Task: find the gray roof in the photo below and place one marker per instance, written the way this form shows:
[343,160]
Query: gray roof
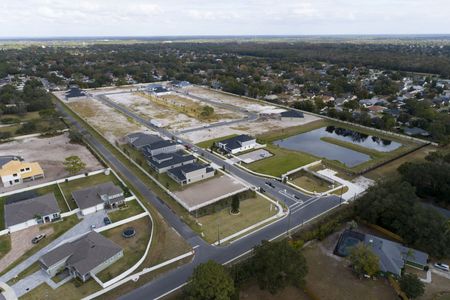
[90,196]
[22,211]
[140,139]
[83,254]
[74,93]
[393,255]
[416,131]
[4,159]
[292,114]
[165,160]
[156,145]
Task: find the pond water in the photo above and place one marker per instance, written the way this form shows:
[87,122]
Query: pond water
[311,143]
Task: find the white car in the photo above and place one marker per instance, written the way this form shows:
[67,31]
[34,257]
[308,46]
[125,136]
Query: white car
[442,266]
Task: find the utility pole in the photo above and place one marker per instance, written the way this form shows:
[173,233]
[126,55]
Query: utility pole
[289,224]
[218,231]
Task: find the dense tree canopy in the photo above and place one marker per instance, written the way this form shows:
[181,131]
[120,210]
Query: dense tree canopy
[210,281]
[277,265]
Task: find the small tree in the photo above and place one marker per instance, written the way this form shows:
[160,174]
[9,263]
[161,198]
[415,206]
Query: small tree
[235,203]
[277,264]
[210,281]
[74,165]
[412,286]
[364,261]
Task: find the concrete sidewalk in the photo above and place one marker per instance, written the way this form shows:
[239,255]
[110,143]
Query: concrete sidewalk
[353,188]
[82,227]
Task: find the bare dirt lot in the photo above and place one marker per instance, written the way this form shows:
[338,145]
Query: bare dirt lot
[50,153]
[172,111]
[111,123]
[253,128]
[202,192]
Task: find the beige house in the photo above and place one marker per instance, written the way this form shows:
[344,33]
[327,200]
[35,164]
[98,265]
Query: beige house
[16,172]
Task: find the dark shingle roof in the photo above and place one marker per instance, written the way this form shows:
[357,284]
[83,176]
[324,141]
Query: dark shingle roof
[74,93]
[7,158]
[84,254]
[90,196]
[292,114]
[140,139]
[22,211]
[235,142]
[180,171]
[165,160]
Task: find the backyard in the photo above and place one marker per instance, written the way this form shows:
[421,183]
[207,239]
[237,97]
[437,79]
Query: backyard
[131,208]
[310,182]
[133,248]
[252,211]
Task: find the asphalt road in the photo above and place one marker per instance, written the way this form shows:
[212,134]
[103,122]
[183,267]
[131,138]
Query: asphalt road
[303,208]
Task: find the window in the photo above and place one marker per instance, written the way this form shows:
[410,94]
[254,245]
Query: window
[22,170]
[27,169]
[16,180]
[15,175]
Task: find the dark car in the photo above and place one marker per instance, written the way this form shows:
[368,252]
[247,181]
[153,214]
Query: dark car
[38,238]
[106,220]
[270,184]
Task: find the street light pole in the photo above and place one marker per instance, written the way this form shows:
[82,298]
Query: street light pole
[289,224]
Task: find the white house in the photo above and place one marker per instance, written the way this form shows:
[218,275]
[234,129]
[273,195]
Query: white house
[237,144]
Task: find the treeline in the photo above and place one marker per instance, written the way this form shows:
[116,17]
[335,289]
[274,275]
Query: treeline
[395,206]
[33,97]
[430,178]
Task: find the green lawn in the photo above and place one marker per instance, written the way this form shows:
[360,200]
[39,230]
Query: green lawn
[78,184]
[209,143]
[252,211]
[5,245]
[58,229]
[27,272]
[130,209]
[282,161]
[72,290]
[58,195]
[133,248]
[311,183]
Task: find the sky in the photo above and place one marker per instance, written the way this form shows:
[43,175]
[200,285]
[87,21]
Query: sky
[47,18]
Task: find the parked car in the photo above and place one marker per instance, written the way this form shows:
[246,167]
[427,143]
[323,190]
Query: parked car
[442,266]
[270,184]
[106,220]
[38,238]
[93,226]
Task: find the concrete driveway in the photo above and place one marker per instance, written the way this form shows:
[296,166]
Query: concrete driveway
[21,243]
[82,227]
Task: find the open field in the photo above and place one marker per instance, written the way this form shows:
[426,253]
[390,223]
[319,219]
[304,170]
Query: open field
[210,143]
[390,169]
[133,248]
[131,208]
[111,123]
[78,184]
[257,127]
[252,211]
[50,153]
[330,277]
[282,161]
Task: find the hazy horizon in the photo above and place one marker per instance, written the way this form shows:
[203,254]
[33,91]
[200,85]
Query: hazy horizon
[158,18]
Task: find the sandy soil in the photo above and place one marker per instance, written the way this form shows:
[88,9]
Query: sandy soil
[50,153]
[169,118]
[111,123]
[253,128]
